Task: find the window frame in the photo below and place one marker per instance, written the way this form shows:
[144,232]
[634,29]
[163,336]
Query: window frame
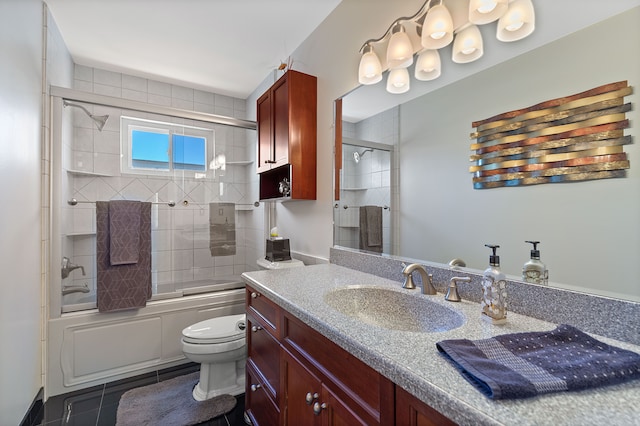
[130,124]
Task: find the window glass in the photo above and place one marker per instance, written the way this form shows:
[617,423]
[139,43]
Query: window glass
[189,152]
[149,149]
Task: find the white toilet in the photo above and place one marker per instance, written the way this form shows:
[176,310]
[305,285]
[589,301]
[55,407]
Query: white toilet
[219,345]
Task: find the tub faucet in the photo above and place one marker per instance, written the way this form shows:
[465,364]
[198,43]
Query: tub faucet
[427,284]
[67,267]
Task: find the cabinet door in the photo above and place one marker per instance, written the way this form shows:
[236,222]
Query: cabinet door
[302,390]
[410,411]
[280,121]
[265,132]
[336,412]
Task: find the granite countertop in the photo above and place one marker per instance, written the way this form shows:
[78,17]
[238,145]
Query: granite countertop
[411,360]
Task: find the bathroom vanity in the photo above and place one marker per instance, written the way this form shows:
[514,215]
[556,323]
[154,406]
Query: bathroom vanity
[313,358]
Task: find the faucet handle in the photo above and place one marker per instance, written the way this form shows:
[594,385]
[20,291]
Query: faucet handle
[452,292]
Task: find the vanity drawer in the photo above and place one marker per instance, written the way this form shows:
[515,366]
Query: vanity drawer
[264,354]
[259,405]
[264,310]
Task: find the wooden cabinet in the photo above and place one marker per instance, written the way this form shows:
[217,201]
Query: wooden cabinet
[287,134]
[410,411]
[263,390]
[296,376]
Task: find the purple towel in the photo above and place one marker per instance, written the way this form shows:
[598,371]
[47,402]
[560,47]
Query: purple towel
[124,231]
[124,286]
[523,365]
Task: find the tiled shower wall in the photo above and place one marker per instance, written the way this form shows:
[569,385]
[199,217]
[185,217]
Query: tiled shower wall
[372,181]
[180,235]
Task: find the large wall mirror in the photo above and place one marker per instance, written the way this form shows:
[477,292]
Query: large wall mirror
[589,231]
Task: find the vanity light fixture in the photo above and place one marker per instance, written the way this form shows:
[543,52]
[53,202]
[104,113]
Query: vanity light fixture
[400,49]
[370,71]
[398,81]
[434,26]
[467,46]
[428,65]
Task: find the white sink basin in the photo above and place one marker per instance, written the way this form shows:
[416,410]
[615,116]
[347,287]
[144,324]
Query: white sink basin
[394,310]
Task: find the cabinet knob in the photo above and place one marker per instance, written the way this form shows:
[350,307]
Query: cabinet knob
[311,397]
[255,387]
[269,162]
[254,295]
[317,408]
[256,328]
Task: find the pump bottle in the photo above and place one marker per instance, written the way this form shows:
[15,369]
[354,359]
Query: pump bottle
[494,290]
[534,271]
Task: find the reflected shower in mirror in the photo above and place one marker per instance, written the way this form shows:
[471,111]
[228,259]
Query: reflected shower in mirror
[365,181]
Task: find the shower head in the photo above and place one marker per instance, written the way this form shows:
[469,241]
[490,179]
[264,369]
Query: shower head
[357,155]
[99,120]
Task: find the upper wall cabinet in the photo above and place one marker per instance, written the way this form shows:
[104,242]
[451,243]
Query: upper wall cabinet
[287,133]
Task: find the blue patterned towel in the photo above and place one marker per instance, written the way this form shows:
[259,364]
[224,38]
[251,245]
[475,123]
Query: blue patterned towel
[523,365]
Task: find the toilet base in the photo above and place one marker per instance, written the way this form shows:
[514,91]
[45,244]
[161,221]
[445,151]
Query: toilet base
[220,379]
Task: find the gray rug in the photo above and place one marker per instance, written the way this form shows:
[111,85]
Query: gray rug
[170,403]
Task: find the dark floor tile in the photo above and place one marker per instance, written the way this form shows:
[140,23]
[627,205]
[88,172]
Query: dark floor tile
[71,404]
[181,370]
[99,405]
[83,418]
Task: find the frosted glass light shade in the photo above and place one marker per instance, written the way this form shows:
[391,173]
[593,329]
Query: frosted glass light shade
[428,65]
[437,30]
[400,49]
[370,70]
[517,22]
[485,11]
[467,47]
[398,81]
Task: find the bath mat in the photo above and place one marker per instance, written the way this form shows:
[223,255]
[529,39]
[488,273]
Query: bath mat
[170,403]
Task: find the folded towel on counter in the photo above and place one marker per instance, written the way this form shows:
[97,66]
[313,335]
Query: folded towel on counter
[523,365]
[124,231]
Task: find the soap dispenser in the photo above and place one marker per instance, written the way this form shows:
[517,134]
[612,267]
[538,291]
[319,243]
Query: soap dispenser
[534,271]
[494,290]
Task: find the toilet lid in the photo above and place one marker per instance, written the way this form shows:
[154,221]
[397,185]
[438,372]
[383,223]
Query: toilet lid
[216,330]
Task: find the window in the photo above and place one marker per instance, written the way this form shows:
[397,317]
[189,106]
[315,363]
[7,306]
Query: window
[154,147]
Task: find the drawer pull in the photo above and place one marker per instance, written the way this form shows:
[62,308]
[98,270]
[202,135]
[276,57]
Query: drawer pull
[255,387]
[317,408]
[254,295]
[311,397]
[256,328]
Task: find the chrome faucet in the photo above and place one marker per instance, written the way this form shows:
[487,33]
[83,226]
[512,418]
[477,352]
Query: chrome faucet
[67,267]
[452,292]
[427,284]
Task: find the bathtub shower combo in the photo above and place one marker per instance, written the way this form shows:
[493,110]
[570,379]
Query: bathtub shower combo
[192,169]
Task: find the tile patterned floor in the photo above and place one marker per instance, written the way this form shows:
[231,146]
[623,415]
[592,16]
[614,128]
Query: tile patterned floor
[98,405]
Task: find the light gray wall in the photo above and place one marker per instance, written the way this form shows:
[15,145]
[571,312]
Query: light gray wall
[436,184]
[20,120]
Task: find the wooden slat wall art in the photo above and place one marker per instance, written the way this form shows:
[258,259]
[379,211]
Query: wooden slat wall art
[575,138]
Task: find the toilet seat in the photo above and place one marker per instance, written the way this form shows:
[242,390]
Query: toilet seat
[216,330]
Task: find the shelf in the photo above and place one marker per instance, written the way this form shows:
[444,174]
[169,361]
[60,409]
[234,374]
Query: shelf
[239,163]
[85,173]
[81,234]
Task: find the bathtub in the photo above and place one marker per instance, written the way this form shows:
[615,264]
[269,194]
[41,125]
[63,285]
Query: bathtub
[87,301]
[86,348]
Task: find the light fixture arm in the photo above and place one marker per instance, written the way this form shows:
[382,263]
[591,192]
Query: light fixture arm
[414,18]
